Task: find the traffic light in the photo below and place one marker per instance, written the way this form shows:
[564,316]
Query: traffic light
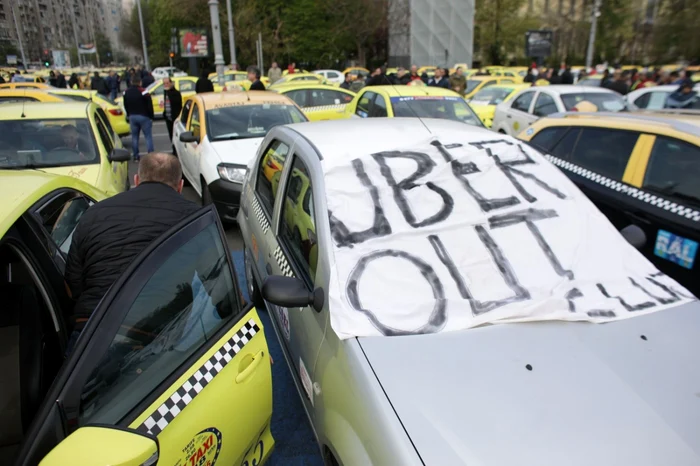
[172,54]
[47,64]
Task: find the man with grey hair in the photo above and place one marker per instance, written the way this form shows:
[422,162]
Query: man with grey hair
[254,78]
[111,233]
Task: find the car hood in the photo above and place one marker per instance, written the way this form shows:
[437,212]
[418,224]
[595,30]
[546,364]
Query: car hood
[554,393]
[483,110]
[86,173]
[238,151]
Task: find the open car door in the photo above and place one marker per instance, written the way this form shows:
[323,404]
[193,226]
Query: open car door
[172,365]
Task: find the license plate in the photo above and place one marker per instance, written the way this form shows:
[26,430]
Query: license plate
[676,249]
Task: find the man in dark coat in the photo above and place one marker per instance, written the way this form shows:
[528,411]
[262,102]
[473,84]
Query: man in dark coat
[98,84]
[203,83]
[148,79]
[254,78]
[111,233]
[139,109]
[172,101]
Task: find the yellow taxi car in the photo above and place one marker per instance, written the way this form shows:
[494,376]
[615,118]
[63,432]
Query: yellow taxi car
[27,95]
[507,73]
[484,101]
[166,369]
[68,138]
[476,83]
[639,168]
[234,78]
[297,79]
[25,85]
[115,114]
[318,101]
[411,102]
[184,84]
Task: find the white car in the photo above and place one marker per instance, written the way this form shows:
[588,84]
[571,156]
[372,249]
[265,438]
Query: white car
[216,136]
[167,72]
[332,76]
[516,114]
[654,97]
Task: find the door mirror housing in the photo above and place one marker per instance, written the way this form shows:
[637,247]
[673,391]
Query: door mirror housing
[634,235]
[104,445]
[119,154]
[187,136]
[291,292]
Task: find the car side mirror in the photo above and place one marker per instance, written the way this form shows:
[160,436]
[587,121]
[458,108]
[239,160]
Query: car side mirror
[187,136]
[104,445]
[634,235]
[119,154]
[291,292]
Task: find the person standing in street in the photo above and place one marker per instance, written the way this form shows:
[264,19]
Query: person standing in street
[74,82]
[254,78]
[60,80]
[458,82]
[203,83]
[113,85]
[439,80]
[414,73]
[274,73]
[683,97]
[291,67]
[148,79]
[172,100]
[98,84]
[347,83]
[619,83]
[127,223]
[139,109]
[52,78]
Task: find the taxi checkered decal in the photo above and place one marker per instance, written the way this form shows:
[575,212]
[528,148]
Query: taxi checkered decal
[193,386]
[321,108]
[623,188]
[260,215]
[282,262]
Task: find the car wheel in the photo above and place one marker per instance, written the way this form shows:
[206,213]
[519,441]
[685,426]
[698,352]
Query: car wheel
[501,131]
[252,285]
[206,194]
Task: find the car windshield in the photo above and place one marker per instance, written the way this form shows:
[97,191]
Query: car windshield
[249,121]
[589,82]
[446,108]
[604,101]
[471,85]
[491,95]
[46,143]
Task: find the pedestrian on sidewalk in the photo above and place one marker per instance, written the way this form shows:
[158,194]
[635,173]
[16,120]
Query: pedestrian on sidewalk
[254,78]
[274,73]
[127,223]
[203,83]
[139,109]
[172,101]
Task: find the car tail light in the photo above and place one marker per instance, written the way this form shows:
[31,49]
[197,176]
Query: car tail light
[115,111]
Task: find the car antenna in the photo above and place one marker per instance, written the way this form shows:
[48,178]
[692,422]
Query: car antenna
[409,107]
[24,101]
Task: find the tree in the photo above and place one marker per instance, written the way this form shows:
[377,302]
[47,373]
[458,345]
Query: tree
[499,30]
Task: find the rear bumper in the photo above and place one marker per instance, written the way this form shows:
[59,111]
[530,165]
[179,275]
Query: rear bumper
[227,198]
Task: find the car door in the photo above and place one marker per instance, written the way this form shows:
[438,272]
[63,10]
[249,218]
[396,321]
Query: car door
[545,105]
[193,150]
[378,107]
[179,126]
[328,104]
[517,113]
[114,176]
[172,353]
[300,97]
[364,101]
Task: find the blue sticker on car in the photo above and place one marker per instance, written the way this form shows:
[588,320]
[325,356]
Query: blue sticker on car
[676,249]
[529,131]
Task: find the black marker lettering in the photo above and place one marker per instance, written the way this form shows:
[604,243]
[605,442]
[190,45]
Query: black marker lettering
[438,316]
[571,295]
[425,166]
[673,297]
[380,226]
[504,268]
[481,144]
[629,307]
[655,278]
[529,216]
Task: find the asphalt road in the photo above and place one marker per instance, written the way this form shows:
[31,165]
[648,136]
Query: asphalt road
[295,444]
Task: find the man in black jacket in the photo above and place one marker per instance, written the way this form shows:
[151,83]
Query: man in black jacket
[254,78]
[113,232]
[139,109]
[172,100]
[203,83]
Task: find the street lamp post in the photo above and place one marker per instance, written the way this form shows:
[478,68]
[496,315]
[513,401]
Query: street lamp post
[216,32]
[591,37]
[19,37]
[231,40]
[143,37]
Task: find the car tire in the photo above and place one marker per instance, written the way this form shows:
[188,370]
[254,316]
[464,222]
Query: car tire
[206,194]
[252,284]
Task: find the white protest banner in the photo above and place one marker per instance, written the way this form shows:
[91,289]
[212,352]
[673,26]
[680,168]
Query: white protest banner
[460,231]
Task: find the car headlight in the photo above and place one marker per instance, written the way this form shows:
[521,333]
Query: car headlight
[231,172]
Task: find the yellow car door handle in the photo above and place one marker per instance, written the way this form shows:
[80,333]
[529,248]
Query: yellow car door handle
[249,369]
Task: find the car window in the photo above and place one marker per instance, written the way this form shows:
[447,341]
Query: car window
[77,98]
[674,169]
[10,100]
[269,172]
[378,107]
[322,97]
[548,137]
[300,97]
[60,216]
[522,102]
[186,112]
[605,101]
[298,224]
[565,147]
[492,82]
[156,89]
[195,125]
[186,85]
[363,104]
[189,297]
[652,100]
[604,151]
[544,105]
[99,111]
[506,81]
[104,133]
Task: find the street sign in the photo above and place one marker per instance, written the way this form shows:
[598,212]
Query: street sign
[193,43]
[538,43]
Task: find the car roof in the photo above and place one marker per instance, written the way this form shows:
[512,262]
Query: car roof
[573,89]
[412,91]
[679,121]
[311,85]
[484,78]
[212,99]
[44,110]
[514,86]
